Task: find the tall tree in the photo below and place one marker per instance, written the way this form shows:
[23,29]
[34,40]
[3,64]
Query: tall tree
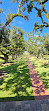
[17,41]
[4,46]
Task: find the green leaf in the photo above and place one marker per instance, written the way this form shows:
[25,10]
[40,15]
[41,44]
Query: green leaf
[47,16]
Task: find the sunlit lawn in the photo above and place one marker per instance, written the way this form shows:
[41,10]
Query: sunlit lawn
[17,84]
[42,68]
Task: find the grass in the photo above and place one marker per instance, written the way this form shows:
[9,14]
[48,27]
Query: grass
[1,61]
[42,68]
[17,84]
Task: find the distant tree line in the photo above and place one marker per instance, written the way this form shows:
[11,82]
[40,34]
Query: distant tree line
[37,45]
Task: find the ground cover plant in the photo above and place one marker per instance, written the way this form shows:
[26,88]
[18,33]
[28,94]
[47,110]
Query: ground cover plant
[17,84]
[42,68]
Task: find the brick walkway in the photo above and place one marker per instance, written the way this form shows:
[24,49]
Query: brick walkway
[32,105]
[40,92]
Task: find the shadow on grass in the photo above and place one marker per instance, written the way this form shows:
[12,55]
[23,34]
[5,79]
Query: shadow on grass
[44,78]
[17,98]
[34,65]
[1,82]
[18,81]
[23,98]
[46,81]
[46,58]
[45,65]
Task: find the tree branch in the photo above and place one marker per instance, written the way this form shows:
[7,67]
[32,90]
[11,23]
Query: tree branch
[42,2]
[19,6]
[39,13]
[12,17]
[3,53]
[2,58]
[36,27]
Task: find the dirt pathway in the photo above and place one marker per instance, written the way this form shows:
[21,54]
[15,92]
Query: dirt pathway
[39,90]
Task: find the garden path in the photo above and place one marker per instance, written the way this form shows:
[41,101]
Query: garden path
[39,89]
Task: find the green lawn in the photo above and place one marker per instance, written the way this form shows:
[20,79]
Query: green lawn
[17,84]
[1,60]
[42,68]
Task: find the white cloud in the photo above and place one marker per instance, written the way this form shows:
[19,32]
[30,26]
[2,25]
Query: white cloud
[20,22]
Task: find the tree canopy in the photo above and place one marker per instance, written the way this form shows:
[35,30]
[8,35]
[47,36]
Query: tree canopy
[29,5]
[12,43]
[37,45]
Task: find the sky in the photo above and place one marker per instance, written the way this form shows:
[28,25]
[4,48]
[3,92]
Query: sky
[27,26]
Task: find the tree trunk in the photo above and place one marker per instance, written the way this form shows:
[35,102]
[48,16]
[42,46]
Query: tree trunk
[38,56]
[42,56]
[6,58]
[16,55]
[13,56]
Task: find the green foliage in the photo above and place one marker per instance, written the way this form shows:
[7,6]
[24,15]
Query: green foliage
[46,42]
[10,17]
[0,8]
[47,15]
[12,42]
[37,45]
[14,1]
[16,39]
[4,46]
[0,2]
[29,5]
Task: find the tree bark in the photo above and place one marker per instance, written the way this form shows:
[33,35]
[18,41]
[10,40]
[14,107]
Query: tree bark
[16,55]
[42,56]
[13,56]
[6,58]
